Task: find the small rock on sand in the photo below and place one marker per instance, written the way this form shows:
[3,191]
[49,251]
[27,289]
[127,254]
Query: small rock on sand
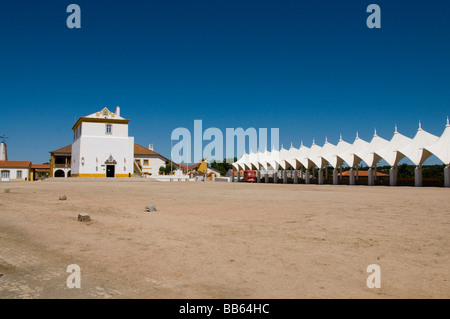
[64,197]
[150,208]
[83,217]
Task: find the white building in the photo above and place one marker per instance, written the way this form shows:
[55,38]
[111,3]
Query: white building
[102,148]
[15,171]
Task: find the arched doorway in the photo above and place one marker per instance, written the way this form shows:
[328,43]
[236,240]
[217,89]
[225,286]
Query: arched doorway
[59,173]
[69,173]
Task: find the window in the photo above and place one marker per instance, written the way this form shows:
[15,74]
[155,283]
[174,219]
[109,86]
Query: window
[108,128]
[19,174]
[146,162]
[5,174]
[105,113]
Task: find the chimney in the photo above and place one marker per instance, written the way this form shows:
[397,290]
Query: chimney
[3,152]
[117,111]
[150,147]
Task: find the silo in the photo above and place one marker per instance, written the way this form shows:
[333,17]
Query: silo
[3,152]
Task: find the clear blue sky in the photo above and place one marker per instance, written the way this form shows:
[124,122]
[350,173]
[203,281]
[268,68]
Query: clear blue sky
[311,68]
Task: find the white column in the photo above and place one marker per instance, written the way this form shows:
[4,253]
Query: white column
[295,177]
[320,176]
[418,176]
[340,173]
[275,177]
[447,176]
[392,179]
[370,181]
[284,177]
[258,176]
[351,177]
[238,176]
[335,176]
[307,180]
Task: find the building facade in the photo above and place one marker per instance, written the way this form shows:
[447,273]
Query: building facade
[15,171]
[102,148]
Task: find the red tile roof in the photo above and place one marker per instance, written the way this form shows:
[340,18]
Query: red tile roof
[362,173]
[15,164]
[63,150]
[40,166]
[138,150]
[141,150]
[189,167]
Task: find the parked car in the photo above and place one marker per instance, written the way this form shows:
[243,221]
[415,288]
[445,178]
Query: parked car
[249,176]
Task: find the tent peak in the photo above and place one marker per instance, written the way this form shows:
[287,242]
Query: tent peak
[420,126]
[448,124]
[340,137]
[395,130]
[375,133]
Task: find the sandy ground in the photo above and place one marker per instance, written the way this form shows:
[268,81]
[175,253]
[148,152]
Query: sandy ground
[222,240]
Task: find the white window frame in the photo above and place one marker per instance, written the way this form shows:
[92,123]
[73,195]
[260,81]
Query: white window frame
[5,174]
[106,129]
[19,173]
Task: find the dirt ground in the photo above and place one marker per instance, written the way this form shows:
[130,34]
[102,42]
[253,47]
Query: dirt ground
[222,240]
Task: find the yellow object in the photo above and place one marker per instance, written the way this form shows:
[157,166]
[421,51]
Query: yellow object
[203,166]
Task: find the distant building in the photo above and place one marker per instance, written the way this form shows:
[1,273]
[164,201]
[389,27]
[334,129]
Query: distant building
[102,148]
[15,171]
[199,169]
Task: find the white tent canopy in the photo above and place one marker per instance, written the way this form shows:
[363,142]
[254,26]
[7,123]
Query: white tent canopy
[350,156]
[418,149]
[264,158]
[333,156]
[283,156]
[315,156]
[327,150]
[391,153]
[368,153]
[291,158]
[414,150]
[302,154]
[253,161]
[274,158]
[441,148]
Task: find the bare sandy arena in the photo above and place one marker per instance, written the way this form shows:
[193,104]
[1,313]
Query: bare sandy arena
[222,240]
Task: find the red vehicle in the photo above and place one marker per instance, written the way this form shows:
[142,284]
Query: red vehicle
[249,176]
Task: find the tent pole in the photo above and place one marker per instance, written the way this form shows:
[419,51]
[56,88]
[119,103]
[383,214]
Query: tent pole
[351,177]
[392,176]
[335,176]
[370,177]
[418,176]
[307,180]
[447,176]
